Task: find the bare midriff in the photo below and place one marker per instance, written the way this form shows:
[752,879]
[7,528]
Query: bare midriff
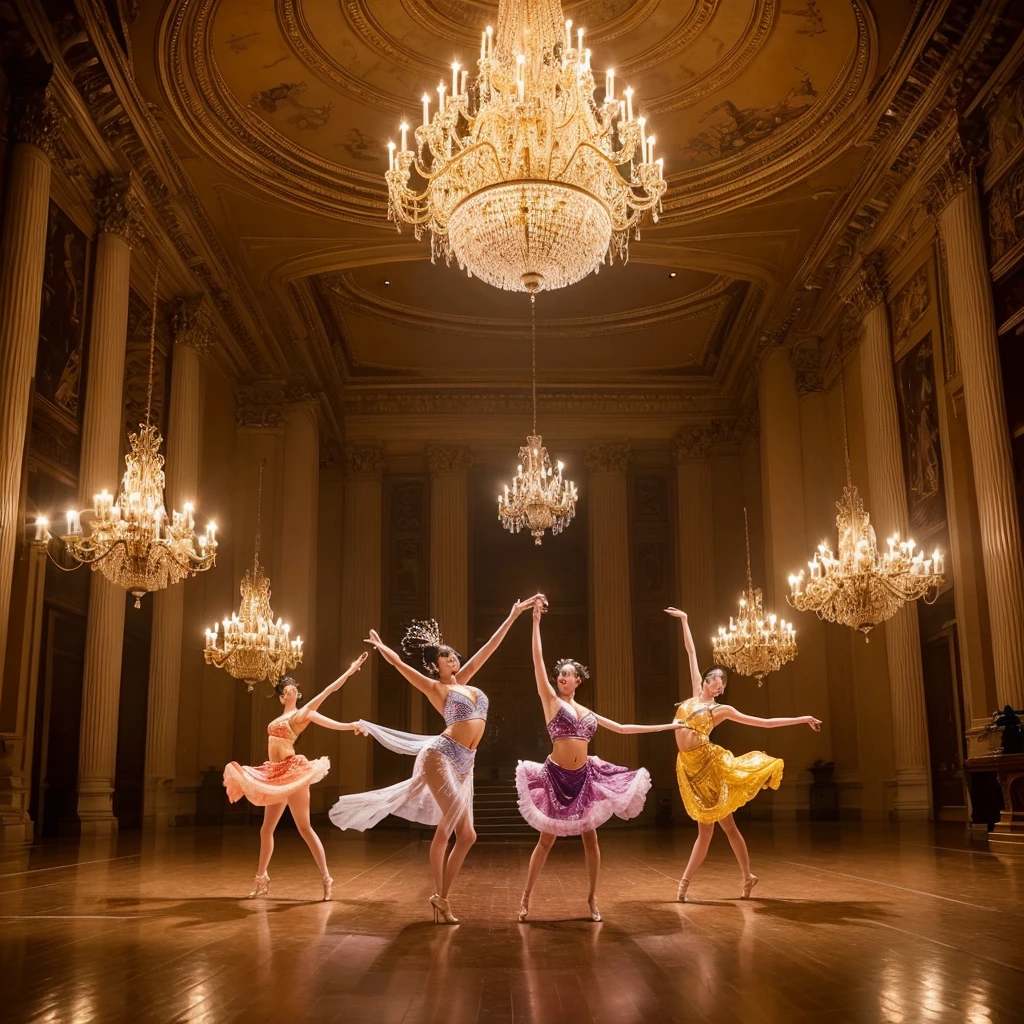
[569,751]
[469,734]
[687,738]
[279,749]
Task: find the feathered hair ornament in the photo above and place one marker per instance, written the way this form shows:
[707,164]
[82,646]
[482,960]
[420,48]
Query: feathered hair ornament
[581,670]
[423,639]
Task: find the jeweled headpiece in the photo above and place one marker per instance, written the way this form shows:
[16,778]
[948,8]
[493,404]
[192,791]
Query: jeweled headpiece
[422,638]
[581,670]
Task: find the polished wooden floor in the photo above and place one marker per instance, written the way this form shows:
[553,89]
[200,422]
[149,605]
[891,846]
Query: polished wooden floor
[851,923]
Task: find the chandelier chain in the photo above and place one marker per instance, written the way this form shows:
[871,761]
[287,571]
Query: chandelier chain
[533,357]
[746,535]
[152,342]
[259,517]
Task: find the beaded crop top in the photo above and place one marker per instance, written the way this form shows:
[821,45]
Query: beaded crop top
[567,726]
[460,708]
[696,715]
[281,729]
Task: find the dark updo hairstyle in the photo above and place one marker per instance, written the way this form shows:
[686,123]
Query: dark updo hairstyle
[711,671]
[283,683]
[581,670]
[423,640]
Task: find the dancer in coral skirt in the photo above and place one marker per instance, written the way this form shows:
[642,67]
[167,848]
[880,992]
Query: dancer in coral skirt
[712,781]
[571,793]
[283,780]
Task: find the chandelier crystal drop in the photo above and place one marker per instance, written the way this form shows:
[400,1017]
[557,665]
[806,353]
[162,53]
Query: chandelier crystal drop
[863,587]
[526,180]
[253,646]
[755,644]
[131,540]
[540,498]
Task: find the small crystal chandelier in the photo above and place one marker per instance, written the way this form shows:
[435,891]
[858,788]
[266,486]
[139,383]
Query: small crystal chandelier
[131,540]
[540,497]
[862,588]
[530,184]
[253,646]
[755,644]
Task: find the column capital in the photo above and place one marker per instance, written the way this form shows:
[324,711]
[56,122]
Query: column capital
[869,287]
[953,175]
[805,358]
[120,211]
[260,405]
[448,458]
[38,121]
[693,445]
[192,324]
[608,456]
[364,461]
[298,392]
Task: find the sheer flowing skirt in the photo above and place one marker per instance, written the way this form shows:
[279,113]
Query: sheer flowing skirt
[713,782]
[439,791]
[571,801]
[273,781]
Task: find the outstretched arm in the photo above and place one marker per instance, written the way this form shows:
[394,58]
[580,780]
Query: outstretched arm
[478,660]
[310,706]
[632,730]
[548,697]
[691,651]
[728,713]
[329,723]
[423,683]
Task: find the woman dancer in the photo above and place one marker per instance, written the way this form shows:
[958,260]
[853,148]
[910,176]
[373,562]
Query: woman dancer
[284,779]
[440,791]
[571,794]
[712,781]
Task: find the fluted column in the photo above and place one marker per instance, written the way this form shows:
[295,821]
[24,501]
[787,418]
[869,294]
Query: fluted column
[612,637]
[360,598]
[889,514]
[449,542]
[974,332]
[101,446]
[191,327]
[695,542]
[22,252]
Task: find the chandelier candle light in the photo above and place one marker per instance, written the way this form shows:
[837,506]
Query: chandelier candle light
[253,646]
[540,497]
[862,587]
[755,644]
[131,540]
[526,180]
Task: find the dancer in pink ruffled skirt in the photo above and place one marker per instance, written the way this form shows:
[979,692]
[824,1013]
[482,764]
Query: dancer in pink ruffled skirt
[571,794]
[284,779]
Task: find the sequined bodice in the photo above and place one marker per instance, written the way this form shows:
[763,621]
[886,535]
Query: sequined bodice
[281,729]
[567,726]
[460,708]
[696,715]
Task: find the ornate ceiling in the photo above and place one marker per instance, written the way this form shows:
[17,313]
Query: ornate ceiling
[280,111]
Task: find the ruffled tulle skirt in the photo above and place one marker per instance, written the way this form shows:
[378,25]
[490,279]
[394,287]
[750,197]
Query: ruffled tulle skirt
[439,791]
[273,781]
[570,801]
[713,782]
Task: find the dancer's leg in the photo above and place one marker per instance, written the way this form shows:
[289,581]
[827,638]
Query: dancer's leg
[738,844]
[465,837]
[446,788]
[705,830]
[592,854]
[298,804]
[537,861]
[271,816]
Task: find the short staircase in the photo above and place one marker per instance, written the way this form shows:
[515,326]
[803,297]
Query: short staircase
[496,814]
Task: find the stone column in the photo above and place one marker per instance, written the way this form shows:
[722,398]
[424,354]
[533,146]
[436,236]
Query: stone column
[888,515]
[695,543]
[977,346]
[191,326]
[120,215]
[611,596]
[360,599]
[22,252]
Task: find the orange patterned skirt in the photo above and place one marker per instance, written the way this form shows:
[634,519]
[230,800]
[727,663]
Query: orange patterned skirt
[273,781]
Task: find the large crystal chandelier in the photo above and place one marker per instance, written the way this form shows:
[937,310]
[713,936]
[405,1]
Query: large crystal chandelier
[131,540]
[254,646]
[540,498]
[863,587]
[755,644]
[529,183]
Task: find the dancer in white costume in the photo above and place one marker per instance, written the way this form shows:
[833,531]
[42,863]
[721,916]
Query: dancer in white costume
[440,791]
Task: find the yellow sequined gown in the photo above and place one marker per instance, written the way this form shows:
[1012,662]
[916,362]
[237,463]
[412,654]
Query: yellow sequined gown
[712,781]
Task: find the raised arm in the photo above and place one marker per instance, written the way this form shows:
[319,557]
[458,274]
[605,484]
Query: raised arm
[548,697]
[422,682]
[470,669]
[307,709]
[632,730]
[726,712]
[329,723]
[691,651]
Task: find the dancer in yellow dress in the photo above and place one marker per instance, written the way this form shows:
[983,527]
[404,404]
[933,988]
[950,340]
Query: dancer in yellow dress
[712,781]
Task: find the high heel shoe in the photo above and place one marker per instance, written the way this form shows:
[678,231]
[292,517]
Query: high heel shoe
[595,914]
[261,887]
[328,884]
[748,883]
[524,907]
[684,884]
[442,910]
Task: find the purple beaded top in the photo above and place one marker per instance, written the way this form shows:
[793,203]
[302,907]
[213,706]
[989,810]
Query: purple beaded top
[566,726]
[460,708]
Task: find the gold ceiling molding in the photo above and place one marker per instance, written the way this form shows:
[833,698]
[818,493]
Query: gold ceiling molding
[349,297]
